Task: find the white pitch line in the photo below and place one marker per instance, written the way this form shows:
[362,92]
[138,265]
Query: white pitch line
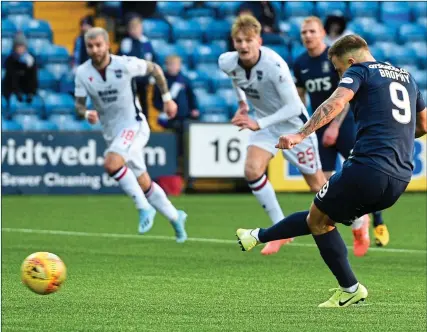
[191,239]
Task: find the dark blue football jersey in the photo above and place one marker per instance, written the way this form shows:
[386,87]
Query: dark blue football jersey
[385,105]
[317,76]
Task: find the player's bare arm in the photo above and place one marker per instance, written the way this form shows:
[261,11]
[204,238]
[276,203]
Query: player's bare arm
[80,104]
[333,106]
[169,106]
[421,124]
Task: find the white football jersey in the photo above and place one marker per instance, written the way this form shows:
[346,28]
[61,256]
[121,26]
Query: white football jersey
[269,87]
[114,99]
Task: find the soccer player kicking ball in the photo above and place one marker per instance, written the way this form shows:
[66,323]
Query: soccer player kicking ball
[314,73]
[107,79]
[390,112]
[262,76]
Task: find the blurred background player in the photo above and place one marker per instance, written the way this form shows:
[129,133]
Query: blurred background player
[182,93]
[390,113]
[80,53]
[262,76]
[315,75]
[107,80]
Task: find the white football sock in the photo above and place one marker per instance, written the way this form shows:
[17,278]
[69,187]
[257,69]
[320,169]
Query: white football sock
[358,223]
[264,193]
[157,198]
[351,289]
[130,186]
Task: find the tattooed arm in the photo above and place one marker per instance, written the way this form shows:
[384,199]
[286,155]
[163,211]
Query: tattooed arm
[156,71]
[80,104]
[331,108]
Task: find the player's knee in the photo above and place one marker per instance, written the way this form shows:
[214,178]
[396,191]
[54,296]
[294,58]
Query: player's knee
[253,171]
[113,163]
[319,226]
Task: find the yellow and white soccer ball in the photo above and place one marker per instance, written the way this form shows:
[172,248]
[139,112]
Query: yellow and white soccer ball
[43,272]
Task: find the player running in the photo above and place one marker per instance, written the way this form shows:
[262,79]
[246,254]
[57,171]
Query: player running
[106,79]
[389,112]
[262,76]
[314,73]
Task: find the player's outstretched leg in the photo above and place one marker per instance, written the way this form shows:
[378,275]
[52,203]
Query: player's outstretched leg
[361,241]
[381,234]
[256,162]
[114,164]
[331,246]
[157,198]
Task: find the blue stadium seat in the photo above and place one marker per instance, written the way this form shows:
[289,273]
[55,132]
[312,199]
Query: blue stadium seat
[187,30]
[201,93]
[58,103]
[377,53]
[220,44]
[296,50]
[272,39]
[420,49]
[214,117]
[411,32]
[325,8]
[393,13]
[212,104]
[37,29]
[158,43]
[207,68]
[291,30]
[37,45]
[189,45]
[175,8]
[298,8]
[3,73]
[381,33]
[8,28]
[424,94]
[386,47]
[401,56]
[30,122]
[4,107]
[66,83]
[66,122]
[283,51]
[6,45]
[229,95]
[228,8]
[19,20]
[217,30]
[46,80]
[171,49]
[418,9]
[10,125]
[58,69]
[155,28]
[199,80]
[200,12]
[36,107]
[363,9]
[422,21]
[206,54]
[220,80]
[55,54]
[420,77]
[111,8]
[16,7]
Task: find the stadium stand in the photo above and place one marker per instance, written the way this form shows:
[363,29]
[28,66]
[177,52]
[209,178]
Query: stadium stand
[396,32]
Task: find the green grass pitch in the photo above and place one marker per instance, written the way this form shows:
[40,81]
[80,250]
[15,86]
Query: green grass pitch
[151,283]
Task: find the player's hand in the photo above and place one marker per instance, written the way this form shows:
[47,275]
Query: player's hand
[170,108]
[242,110]
[92,116]
[245,122]
[289,141]
[330,135]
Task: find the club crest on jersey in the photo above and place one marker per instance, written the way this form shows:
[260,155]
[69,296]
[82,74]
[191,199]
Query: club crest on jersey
[325,67]
[119,73]
[259,75]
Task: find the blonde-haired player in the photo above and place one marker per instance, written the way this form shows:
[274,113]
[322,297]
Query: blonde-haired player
[107,79]
[263,77]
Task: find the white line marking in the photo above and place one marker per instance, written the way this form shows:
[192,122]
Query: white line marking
[191,239]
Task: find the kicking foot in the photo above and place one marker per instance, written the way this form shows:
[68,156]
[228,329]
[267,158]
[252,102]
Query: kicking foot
[361,239]
[179,227]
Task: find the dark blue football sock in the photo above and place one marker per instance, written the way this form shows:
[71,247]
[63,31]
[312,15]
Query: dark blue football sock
[378,218]
[292,226]
[334,252]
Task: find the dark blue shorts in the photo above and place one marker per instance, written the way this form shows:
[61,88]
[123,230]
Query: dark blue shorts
[344,144]
[357,190]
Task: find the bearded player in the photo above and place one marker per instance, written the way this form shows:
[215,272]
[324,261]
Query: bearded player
[107,80]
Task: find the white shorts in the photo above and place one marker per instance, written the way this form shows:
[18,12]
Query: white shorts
[130,145]
[305,156]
